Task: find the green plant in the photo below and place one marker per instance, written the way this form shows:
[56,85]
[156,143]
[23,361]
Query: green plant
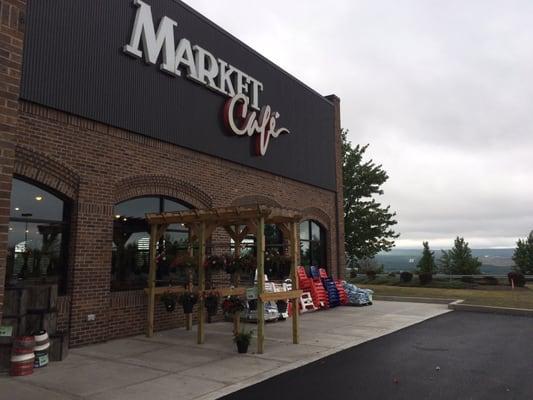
[425,277]
[188,298]
[459,259]
[406,277]
[468,279]
[368,224]
[184,261]
[523,255]
[426,265]
[215,262]
[169,299]
[243,337]
[211,300]
[371,275]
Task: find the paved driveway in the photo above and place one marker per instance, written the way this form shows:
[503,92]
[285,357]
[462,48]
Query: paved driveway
[458,356]
[172,366]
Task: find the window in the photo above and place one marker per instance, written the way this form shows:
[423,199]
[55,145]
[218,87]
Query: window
[276,265]
[312,244]
[38,236]
[131,242]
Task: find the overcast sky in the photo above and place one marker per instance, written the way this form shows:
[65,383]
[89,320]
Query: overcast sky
[442,91]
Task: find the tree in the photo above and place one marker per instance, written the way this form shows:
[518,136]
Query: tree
[459,260]
[523,255]
[367,224]
[426,265]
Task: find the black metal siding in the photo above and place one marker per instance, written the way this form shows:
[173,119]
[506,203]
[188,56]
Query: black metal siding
[73,61]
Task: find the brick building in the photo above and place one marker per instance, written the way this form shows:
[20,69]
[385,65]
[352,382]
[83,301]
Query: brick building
[92,137]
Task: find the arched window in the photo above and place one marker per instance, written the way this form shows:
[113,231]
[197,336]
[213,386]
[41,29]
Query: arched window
[38,236]
[312,244]
[131,241]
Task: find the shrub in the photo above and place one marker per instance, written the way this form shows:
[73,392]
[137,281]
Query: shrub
[468,279]
[353,273]
[406,276]
[371,274]
[517,277]
[489,280]
[392,274]
[425,277]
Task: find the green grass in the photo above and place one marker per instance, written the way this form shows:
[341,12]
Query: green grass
[501,297]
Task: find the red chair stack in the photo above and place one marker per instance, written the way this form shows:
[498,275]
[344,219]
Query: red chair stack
[318,294]
[304,282]
[342,293]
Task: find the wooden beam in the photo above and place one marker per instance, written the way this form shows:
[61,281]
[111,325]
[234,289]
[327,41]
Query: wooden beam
[161,231]
[158,291]
[151,281]
[226,291]
[201,281]
[285,230]
[260,238]
[190,250]
[237,278]
[290,294]
[295,252]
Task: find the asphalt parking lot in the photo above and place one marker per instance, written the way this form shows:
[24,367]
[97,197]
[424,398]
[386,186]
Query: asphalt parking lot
[459,355]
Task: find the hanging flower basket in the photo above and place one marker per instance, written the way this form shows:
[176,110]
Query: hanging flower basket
[188,300]
[215,263]
[232,305]
[169,299]
[211,303]
[184,262]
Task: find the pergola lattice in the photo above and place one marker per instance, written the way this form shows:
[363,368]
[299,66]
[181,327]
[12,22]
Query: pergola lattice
[238,222]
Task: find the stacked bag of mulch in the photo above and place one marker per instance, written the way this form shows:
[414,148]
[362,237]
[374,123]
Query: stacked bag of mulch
[357,296]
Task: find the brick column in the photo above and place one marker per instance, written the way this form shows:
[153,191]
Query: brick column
[11,38]
[339,206]
[92,232]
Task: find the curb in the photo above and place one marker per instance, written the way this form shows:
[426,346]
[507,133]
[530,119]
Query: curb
[457,305]
[428,300]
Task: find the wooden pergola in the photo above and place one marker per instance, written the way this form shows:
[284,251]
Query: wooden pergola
[238,222]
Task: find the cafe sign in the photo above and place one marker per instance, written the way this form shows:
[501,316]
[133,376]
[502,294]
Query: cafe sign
[242,112]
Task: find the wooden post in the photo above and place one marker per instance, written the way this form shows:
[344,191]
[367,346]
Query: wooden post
[201,282]
[237,315]
[260,238]
[295,248]
[151,280]
[188,317]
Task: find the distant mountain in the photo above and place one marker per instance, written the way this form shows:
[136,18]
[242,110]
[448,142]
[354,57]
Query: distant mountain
[495,261]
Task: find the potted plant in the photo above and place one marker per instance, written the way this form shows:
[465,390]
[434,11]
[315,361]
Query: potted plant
[243,340]
[232,305]
[282,308]
[211,304]
[169,299]
[188,300]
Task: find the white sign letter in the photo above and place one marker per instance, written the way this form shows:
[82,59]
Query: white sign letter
[143,28]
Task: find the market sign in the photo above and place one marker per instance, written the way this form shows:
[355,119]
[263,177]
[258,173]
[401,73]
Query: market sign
[160,69]
[203,67]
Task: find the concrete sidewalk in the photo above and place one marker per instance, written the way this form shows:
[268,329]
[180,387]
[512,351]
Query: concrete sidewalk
[172,366]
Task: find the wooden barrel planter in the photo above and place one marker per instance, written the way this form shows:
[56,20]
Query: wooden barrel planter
[42,347]
[22,356]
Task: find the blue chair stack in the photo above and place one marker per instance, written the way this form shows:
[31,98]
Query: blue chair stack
[331,288]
